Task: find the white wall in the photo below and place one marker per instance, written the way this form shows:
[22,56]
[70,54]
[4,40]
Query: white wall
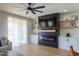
[4,24]
[73,32]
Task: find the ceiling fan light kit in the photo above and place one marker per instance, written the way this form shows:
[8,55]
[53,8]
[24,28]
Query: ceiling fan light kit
[31,9]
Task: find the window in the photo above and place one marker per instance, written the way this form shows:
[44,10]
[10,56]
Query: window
[17,31]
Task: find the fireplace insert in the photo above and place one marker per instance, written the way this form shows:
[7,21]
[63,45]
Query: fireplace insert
[49,27]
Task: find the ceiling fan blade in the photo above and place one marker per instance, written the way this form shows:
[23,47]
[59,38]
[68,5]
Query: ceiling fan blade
[33,12]
[39,7]
[15,7]
[20,10]
[38,11]
[25,5]
[27,12]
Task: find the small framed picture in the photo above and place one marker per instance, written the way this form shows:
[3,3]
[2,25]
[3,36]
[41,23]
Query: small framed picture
[50,23]
[43,24]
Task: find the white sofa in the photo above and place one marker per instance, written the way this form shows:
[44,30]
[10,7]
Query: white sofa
[6,45]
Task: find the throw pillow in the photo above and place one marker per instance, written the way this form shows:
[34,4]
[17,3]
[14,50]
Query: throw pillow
[0,44]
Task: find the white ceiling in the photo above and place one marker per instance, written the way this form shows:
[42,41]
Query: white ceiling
[49,9]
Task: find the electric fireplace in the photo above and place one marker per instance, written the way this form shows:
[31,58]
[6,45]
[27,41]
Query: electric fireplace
[49,30]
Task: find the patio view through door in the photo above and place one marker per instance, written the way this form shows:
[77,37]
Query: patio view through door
[17,31]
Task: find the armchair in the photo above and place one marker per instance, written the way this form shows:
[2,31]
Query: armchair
[72,52]
[6,45]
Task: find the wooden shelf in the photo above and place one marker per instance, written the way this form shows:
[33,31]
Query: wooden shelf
[67,21]
[69,27]
[47,30]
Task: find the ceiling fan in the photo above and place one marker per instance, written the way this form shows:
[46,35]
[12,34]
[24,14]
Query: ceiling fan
[31,8]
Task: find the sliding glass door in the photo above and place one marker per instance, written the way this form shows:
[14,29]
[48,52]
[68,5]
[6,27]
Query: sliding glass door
[17,31]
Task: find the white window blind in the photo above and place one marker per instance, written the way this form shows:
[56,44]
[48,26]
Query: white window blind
[17,31]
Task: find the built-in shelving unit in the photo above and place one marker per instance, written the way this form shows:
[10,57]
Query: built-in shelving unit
[68,27]
[49,30]
[68,21]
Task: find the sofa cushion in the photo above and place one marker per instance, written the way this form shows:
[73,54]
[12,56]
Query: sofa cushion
[0,44]
[4,42]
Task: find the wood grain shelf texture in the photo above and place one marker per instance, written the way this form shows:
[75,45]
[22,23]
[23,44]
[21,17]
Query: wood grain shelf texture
[68,21]
[47,30]
[69,27]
